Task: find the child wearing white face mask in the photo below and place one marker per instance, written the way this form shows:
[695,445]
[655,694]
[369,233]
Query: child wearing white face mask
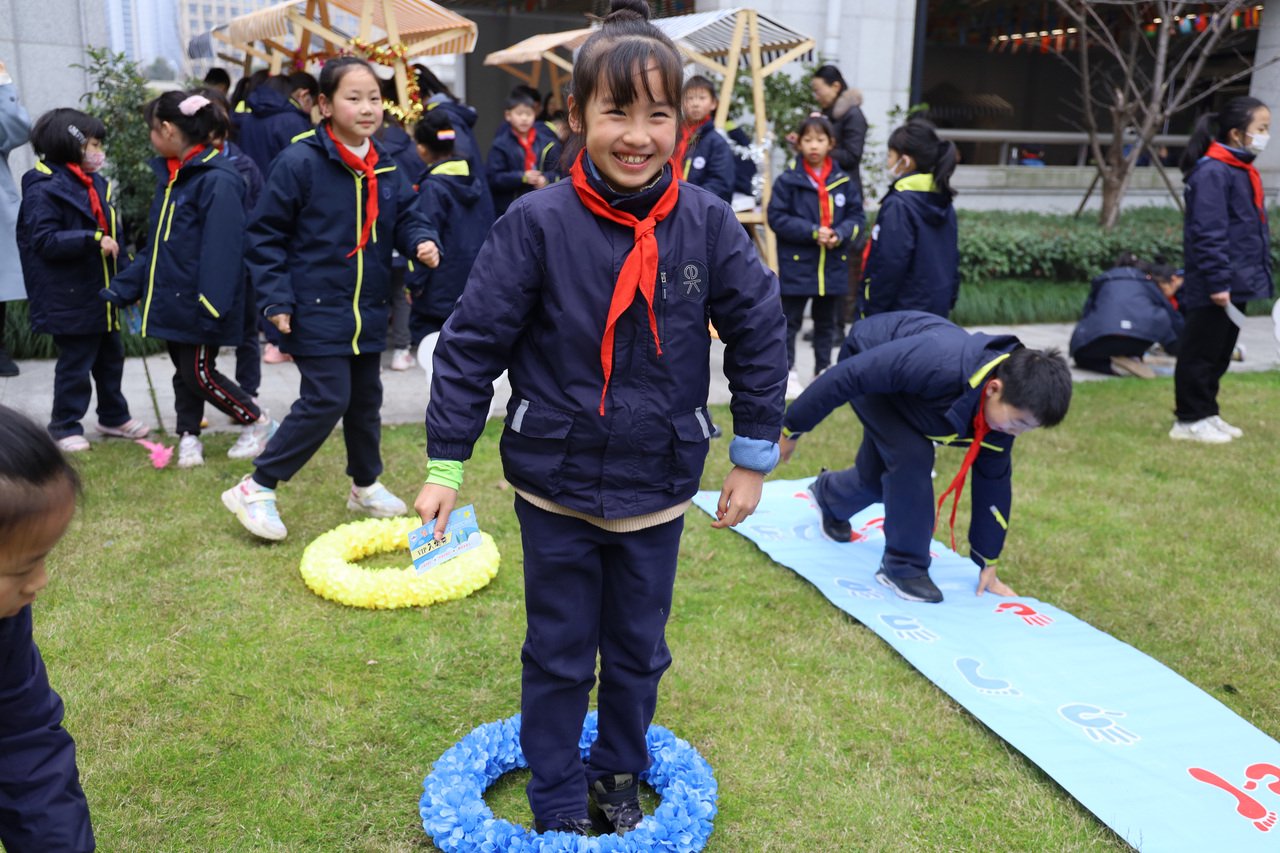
[1227,258]
[912,262]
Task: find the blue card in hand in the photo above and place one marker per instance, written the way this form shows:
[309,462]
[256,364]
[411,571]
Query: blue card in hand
[461,533]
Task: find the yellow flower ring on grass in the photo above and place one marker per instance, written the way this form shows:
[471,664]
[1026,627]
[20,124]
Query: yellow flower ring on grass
[328,567]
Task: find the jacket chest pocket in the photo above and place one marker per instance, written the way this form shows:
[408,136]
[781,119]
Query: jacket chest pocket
[536,442]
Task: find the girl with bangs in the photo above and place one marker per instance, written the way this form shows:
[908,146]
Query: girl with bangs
[595,294]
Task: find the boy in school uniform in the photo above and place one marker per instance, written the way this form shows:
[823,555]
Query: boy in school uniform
[524,158]
[703,157]
[915,379]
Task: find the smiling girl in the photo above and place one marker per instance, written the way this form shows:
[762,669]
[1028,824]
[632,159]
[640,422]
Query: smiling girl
[595,294]
[319,254]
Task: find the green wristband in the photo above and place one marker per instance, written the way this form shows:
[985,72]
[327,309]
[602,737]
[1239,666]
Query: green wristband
[444,472]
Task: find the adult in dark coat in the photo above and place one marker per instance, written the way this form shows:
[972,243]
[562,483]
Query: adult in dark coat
[843,106]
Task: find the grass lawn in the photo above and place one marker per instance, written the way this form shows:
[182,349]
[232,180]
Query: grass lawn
[220,705]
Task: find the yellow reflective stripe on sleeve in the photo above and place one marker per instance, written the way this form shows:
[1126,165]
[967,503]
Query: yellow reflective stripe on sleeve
[1000,519]
[97,235]
[213,152]
[303,135]
[981,373]
[208,306]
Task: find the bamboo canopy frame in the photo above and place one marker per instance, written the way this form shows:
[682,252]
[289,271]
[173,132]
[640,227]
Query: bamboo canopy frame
[722,42]
[408,29]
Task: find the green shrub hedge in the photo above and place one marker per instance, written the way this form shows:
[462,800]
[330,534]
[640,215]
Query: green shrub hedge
[24,343]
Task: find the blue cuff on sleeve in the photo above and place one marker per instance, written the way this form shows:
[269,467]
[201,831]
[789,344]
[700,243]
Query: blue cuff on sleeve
[754,454]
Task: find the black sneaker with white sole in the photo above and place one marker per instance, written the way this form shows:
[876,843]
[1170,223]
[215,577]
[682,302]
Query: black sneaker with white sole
[618,799]
[835,529]
[912,589]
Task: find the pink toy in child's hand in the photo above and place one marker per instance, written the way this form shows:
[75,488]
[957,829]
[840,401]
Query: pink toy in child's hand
[160,454]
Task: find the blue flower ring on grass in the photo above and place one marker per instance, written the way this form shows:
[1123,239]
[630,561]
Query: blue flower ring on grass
[329,570]
[458,820]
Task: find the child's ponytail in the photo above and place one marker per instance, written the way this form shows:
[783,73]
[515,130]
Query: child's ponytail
[1236,115]
[435,133]
[918,140]
[196,117]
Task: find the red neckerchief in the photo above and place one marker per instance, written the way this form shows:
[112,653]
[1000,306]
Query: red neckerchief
[95,203]
[365,167]
[639,270]
[980,430]
[526,142]
[682,147]
[1220,153]
[175,164]
[1173,300]
[820,178]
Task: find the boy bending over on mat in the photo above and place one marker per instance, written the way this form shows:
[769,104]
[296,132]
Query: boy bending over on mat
[916,380]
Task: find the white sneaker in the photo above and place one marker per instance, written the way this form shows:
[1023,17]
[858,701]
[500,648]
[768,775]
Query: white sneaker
[73,444]
[1223,426]
[376,500]
[1202,430]
[401,359]
[253,438]
[794,386]
[255,507]
[190,451]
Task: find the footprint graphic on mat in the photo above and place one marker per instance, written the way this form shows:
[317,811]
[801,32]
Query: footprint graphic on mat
[1099,724]
[908,628]
[1246,806]
[858,589]
[994,686]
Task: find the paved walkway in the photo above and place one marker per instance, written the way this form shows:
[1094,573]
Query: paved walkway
[405,392]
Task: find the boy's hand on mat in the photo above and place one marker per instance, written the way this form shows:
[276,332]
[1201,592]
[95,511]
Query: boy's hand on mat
[281,322]
[739,497]
[786,446]
[988,582]
[436,502]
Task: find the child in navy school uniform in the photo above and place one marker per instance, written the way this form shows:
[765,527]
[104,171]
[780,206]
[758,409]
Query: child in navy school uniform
[523,158]
[451,198]
[913,258]
[319,252]
[1127,311]
[42,806]
[703,156]
[916,380]
[595,295]
[816,211]
[275,113]
[69,243]
[188,278]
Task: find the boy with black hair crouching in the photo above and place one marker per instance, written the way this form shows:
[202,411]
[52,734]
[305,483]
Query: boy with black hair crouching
[916,380]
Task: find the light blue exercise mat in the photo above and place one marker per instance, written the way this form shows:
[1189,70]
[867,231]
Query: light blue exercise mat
[1161,762]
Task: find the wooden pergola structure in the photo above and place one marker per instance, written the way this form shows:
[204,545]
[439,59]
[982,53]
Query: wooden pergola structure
[725,42]
[391,31]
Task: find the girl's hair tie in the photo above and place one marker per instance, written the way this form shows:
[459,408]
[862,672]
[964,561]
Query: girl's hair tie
[76,133]
[193,104]
[446,134]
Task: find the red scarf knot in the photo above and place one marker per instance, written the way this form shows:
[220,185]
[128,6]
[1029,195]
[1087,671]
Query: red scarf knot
[1220,153]
[820,179]
[95,203]
[365,167]
[526,142]
[175,164]
[639,270]
[980,430]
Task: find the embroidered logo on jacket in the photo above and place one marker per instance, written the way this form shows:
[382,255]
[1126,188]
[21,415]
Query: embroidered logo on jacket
[693,281]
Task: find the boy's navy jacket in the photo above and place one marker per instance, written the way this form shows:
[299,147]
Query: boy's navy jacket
[188,278]
[1124,301]
[299,238]
[914,263]
[62,263]
[805,268]
[1225,241]
[449,196]
[932,372]
[269,124]
[708,161]
[536,304]
[505,167]
[249,172]
[463,119]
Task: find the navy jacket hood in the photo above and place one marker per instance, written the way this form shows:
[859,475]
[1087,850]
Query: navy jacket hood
[914,260]
[265,101]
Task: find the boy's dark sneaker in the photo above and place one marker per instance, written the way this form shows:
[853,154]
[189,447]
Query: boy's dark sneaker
[8,367]
[570,825]
[618,799]
[835,529]
[912,589]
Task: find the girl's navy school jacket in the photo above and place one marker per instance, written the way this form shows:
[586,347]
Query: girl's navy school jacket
[269,123]
[914,262]
[804,267]
[188,276]
[308,219]
[932,372]
[1225,242]
[463,119]
[450,198]
[1124,301]
[505,167]
[708,161]
[62,262]
[536,304]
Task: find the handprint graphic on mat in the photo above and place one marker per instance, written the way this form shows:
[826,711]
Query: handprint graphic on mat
[1246,806]
[1099,724]
[908,628]
[858,589]
[1029,614]
[994,686]
[1255,773]
[875,525]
